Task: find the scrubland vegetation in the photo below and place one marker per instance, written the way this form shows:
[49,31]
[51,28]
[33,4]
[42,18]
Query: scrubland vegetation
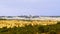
[36,29]
[29,27]
[22,23]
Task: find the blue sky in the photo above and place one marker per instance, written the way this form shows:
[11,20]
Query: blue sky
[30,7]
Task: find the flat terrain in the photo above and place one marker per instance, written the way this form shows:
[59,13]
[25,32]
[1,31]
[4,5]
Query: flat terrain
[22,23]
[29,27]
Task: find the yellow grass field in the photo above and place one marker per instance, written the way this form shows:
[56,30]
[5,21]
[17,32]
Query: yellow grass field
[22,23]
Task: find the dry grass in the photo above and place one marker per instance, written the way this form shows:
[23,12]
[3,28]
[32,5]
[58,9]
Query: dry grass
[22,23]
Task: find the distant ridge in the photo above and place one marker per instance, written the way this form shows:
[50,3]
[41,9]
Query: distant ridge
[31,17]
[50,16]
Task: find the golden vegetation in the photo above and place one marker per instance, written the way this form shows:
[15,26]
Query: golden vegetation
[22,23]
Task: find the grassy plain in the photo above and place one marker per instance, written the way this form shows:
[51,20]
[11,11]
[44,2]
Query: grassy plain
[29,27]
